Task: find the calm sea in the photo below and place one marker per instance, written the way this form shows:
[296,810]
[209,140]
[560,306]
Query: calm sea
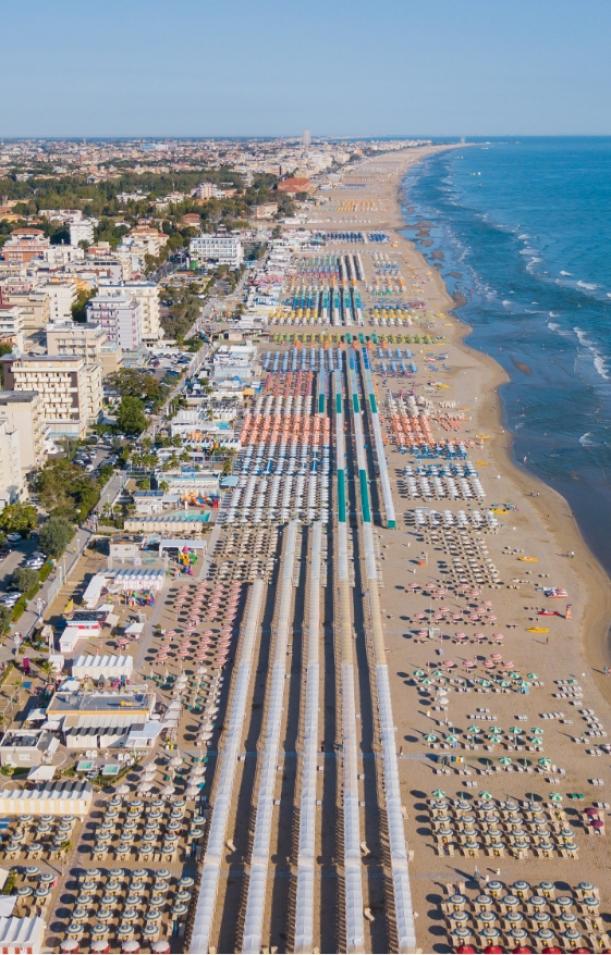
[521,231]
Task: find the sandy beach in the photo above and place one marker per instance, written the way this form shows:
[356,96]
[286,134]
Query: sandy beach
[541,526]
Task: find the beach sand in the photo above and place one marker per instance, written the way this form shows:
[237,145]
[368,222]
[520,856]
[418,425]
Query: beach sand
[543,526]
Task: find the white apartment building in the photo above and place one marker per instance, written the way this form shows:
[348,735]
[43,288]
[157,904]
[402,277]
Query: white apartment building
[70,390]
[24,412]
[218,250]
[62,296]
[82,230]
[146,294]
[12,480]
[119,315]
[11,326]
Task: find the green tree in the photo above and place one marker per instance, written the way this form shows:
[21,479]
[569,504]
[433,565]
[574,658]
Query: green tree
[25,579]
[79,308]
[131,418]
[55,536]
[5,620]
[18,519]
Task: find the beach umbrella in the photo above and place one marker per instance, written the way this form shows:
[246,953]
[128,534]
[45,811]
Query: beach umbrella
[505,760]
[545,762]
[438,793]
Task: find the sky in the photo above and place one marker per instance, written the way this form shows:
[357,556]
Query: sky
[276,67]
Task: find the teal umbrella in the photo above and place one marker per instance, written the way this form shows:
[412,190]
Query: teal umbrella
[505,760]
[545,761]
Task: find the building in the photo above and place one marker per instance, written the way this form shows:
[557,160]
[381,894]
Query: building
[85,340]
[12,482]
[217,250]
[266,210]
[24,245]
[11,327]
[294,185]
[234,362]
[146,294]
[62,296]
[69,389]
[32,302]
[24,412]
[119,315]
[82,230]
[27,748]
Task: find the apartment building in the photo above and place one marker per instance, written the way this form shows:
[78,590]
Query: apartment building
[11,326]
[119,315]
[24,245]
[33,304]
[70,390]
[85,341]
[82,230]
[12,481]
[25,414]
[146,294]
[217,250]
[62,296]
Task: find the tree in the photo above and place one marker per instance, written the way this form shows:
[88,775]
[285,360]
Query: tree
[131,418]
[79,308]
[5,620]
[18,519]
[55,536]
[25,579]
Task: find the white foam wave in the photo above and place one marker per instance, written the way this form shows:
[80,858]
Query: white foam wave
[590,286]
[598,359]
[563,272]
[586,440]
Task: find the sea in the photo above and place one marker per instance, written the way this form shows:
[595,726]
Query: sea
[520,229]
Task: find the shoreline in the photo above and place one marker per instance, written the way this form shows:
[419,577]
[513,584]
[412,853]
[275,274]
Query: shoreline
[551,506]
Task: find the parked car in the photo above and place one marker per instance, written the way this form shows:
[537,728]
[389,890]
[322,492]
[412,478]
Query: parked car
[10,599]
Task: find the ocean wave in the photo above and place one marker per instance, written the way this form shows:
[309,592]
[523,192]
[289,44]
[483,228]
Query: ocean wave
[589,286]
[564,272]
[598,359]
[586,440]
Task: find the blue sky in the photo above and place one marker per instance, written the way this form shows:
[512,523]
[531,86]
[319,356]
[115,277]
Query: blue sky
[339,67]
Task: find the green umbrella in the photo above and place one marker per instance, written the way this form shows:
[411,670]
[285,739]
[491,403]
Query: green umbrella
[485,795]
[418,673]
[505,684]
[516,731]
[532,676]
[438,793]
[431,737]
[451,739]
[556,797]
[474,730]
[536,731]
[505,760]
[545,761]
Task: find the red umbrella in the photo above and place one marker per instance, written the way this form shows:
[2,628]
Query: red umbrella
[552,950]
[494,950]
[465,950]
[523,950]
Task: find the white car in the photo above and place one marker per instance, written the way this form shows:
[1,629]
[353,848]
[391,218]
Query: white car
[10,599]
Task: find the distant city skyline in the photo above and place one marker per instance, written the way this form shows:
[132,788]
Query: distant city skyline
[340,69]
